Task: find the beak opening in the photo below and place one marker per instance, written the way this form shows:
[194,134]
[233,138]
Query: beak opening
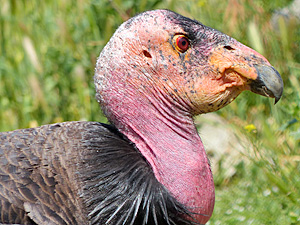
[268,82]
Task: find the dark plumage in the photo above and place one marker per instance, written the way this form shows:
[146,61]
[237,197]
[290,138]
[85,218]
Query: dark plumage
[68,172]
[148,167]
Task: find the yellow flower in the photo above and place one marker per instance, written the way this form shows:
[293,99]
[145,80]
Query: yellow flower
[250,128]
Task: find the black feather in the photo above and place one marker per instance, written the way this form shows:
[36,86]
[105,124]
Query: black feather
[81,173]
[120,186]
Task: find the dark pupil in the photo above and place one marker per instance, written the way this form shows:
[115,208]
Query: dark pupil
[183,42]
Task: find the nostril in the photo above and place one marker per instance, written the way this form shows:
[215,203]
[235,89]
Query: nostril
[147,54]
[228,47]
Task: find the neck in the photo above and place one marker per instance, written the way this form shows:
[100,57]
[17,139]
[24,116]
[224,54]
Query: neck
[168,139]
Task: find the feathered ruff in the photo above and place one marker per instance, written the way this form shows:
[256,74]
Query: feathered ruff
[120,186]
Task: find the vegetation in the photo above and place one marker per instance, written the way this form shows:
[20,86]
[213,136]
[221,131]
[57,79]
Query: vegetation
[48,50]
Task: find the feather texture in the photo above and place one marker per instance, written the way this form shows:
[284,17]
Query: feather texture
[80,173]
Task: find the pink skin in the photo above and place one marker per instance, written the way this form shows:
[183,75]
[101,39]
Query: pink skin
[151,92]
[173,148]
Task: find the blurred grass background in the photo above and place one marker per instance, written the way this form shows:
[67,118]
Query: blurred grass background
[48,50]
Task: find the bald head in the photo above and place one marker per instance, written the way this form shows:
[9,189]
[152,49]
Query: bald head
[146,55]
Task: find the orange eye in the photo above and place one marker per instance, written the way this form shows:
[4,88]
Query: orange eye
[181,43]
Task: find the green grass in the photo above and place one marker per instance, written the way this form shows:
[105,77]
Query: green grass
[48,50]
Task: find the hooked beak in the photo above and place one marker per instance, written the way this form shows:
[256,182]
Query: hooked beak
[268,82]
[252,70]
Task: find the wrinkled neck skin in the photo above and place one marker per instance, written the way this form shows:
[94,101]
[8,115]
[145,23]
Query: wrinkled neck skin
[166,136]
[174,149]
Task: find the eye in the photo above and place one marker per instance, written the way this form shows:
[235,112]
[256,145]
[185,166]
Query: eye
[181,43]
